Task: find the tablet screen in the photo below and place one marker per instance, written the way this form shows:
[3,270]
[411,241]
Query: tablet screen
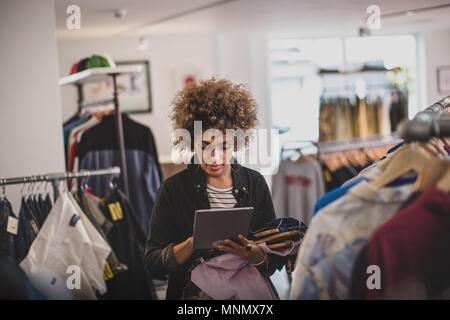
[212,226]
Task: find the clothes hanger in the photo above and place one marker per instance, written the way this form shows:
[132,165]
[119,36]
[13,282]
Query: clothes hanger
[301,157]
[359,157]
[3,196]
[333,162]
[408,158]
[328,160]
[344,160]
[437,146]
[431,174]
[350,155]
[444,182]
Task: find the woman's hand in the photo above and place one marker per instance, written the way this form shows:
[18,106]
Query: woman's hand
[183,251]
[249,250]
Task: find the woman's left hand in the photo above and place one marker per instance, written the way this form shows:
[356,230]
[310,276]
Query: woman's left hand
[253,253]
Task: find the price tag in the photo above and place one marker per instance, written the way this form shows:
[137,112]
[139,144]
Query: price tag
[116,211]
[12,225]
[107,273]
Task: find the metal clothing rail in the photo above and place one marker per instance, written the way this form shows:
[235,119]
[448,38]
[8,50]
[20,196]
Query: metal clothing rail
[327,147]
[357,143]
[427,124]
[54,178]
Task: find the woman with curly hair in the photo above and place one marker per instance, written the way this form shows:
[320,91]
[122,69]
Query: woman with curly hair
[213,179]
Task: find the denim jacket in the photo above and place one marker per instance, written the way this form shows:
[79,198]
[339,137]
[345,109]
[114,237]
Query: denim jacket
[172,219]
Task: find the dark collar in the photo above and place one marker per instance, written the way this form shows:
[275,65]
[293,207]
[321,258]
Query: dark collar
[199,179]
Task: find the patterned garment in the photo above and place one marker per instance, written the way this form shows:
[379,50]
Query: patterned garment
[221,198]
[337,235]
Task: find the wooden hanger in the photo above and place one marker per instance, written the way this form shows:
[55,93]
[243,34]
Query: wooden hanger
[406,159]
[444,183]
[438,145]
[446,140]
[431,174]
[102,113]
[356,158]
[344,160]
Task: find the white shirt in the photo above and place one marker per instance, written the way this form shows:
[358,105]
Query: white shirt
[296,188]
[67,239]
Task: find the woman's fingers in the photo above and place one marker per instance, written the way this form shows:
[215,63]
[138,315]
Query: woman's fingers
[244,240]
[226,249]
[232,244]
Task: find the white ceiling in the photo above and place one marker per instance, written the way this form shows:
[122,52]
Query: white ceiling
[312,18]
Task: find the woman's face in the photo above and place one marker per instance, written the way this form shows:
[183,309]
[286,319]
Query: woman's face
[215,153]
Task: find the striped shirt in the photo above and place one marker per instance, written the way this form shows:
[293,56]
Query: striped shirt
[221,198]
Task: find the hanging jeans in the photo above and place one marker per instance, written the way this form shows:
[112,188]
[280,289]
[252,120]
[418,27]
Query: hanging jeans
[12,246]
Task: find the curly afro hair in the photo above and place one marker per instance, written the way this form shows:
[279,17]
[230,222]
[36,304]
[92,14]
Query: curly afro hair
[218,103]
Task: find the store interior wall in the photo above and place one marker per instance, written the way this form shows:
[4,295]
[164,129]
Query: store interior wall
[30,110]
[437,54]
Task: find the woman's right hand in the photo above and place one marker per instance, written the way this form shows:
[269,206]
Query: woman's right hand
[183,251]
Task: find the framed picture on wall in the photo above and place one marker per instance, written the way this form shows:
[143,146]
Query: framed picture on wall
[443,74]
[134,89]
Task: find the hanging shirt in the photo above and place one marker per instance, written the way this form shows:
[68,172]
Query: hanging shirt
[296,188]
[13,245]
[411,250]
[74,139]
[337,235]
[71,123]
[98,149]
[220,198]
[335,194]
[67,240]
[128,240]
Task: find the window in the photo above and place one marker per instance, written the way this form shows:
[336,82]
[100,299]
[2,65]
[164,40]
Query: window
[297,87]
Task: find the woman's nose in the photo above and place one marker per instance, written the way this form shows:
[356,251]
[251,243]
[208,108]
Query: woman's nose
[216,154]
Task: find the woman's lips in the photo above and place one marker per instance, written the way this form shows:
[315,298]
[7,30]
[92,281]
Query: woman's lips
[215,167]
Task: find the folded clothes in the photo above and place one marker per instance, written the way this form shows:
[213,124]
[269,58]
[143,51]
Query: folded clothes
[279,237]
[277,226]
[279,245]
[282,233]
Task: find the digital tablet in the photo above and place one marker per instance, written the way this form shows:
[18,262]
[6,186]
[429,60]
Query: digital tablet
[212,226]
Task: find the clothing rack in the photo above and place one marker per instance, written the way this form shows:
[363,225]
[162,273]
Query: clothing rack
[97,75]
[340,146]
[54,178]
[427,123]
[357,143]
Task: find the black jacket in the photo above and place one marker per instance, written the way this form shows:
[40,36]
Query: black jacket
[172,219]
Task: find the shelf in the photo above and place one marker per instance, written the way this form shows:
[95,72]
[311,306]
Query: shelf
[97,74]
